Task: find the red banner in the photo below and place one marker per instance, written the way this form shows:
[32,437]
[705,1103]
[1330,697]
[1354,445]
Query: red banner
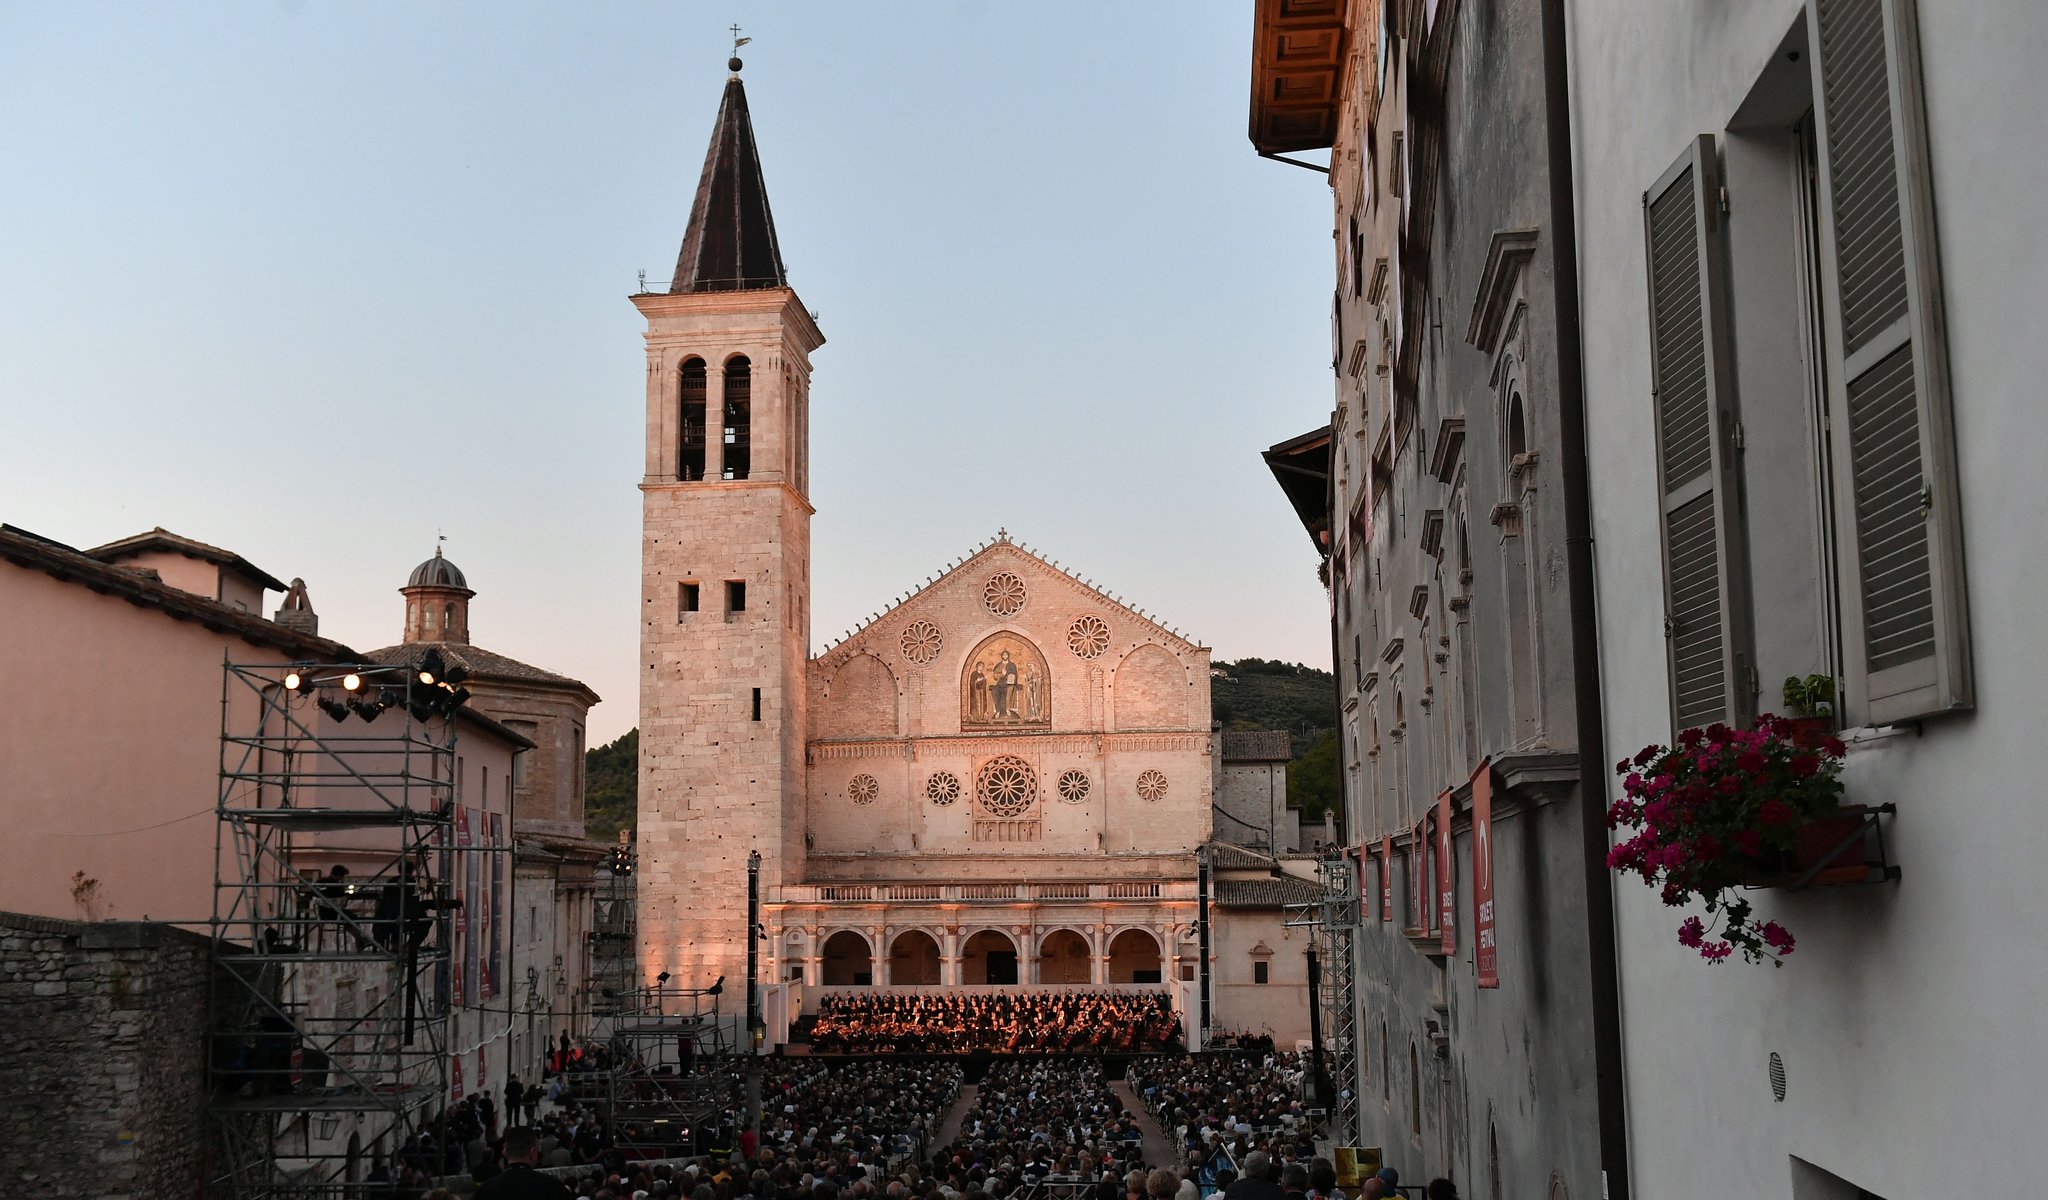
[1386,877]
[455,1077]
[1485,963]
[1447,899]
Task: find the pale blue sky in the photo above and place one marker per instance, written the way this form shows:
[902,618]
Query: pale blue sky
[313,281]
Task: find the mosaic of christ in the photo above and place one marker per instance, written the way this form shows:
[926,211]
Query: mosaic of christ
[1005,683]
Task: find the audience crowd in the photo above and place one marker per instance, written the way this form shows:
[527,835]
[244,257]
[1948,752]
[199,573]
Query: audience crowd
[997,1023]
[1239,1101]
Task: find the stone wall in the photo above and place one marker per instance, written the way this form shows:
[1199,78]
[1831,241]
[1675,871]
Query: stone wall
[103,1058]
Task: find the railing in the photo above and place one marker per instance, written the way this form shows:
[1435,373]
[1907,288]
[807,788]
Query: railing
[980,893]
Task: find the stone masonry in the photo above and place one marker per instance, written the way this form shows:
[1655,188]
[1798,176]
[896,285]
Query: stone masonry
[104,1059]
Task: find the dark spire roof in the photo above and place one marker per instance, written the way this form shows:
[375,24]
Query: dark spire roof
[730,244]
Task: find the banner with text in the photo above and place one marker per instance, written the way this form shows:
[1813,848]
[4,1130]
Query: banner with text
[1447,898]
[1485,963]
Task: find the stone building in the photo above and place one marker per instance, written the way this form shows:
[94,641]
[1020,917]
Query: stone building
[554,896]
[1485,1038]
[1002,780]
[1251,790]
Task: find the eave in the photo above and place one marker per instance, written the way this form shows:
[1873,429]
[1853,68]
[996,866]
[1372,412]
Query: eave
[1298,59]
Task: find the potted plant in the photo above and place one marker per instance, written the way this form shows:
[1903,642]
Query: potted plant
[1725,809]
[1812,703]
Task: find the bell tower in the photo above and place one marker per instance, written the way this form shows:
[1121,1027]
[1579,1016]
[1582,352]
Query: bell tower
[725,572]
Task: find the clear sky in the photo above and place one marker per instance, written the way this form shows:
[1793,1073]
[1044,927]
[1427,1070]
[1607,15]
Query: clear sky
[316,281]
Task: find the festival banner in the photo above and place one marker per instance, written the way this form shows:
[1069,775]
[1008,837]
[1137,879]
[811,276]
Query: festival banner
[1447,897]
[1386,877]
[459,957]
[1485,962]
[455,1077]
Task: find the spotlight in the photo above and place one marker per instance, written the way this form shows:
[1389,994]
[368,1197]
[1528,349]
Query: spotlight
[292,681]
[366,709]
[432,666]
[661,978]
[458,698]
[351,681]
[333,708]
[716,989]
[455,674]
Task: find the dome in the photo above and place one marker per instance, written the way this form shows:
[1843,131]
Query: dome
[437,572]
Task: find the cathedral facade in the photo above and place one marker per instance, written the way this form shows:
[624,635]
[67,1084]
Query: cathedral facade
[1003,780]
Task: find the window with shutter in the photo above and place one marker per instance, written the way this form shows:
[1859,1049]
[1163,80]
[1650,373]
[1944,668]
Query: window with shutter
[1905,632]
[1705,588]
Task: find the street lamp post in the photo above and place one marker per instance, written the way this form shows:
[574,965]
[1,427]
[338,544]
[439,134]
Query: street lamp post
[754,1030]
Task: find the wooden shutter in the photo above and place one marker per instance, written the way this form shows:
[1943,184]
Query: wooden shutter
[1705,588]
[1905,635]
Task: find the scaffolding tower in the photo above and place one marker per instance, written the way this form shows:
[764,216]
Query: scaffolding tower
[1332,921]
[330,994]
[613,936]
[672,1079]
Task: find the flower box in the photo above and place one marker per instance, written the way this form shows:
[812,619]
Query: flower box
[1844,849]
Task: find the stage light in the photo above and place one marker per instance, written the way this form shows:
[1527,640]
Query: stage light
[432,667]
[333,708]
[455,674]
[458,697]
[366,709]
[661,978]
[351,681]
[292,680]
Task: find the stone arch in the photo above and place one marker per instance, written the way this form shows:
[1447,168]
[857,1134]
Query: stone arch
[860,700]
[1005,683]
[1134,957]
[691,381]
[738,410]
[988,956]
[1151,689]
[913,958]
[847,960]
[1065,956]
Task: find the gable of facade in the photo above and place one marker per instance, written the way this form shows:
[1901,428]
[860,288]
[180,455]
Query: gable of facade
[1008,706]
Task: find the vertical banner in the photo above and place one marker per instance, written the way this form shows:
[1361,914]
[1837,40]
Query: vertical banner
[1485,963]
[455,1077]
[494,963]
[472,902]
[1419,904]
[458,969]
[1447,896]
[1386,877]
[1364,853]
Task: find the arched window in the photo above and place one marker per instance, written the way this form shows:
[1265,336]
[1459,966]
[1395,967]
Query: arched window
[448,620]
[739,385]
[691,465]
[1518,432]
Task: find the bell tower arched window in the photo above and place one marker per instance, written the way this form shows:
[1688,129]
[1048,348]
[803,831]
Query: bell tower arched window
[738,416]
[692,464]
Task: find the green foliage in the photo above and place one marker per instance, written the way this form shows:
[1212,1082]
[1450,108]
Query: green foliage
[1813,696]
[1312,778]
[611,787]
[1255,693]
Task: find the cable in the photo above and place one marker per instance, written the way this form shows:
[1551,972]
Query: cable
[139,828]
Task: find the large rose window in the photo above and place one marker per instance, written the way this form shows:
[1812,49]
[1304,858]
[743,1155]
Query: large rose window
[1152,785]
[1005,786]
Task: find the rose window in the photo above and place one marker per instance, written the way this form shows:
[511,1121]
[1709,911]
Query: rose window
[942,788]
[1088,637]
[1152,785]
[1005,786]
[863,789]
[921,642]
[1074,786]
[1004,594]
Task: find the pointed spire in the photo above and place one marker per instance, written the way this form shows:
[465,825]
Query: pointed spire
[730,244]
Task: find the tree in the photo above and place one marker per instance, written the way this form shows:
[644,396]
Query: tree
[1312,779]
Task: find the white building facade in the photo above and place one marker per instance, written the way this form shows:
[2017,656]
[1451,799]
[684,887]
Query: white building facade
[1808,322]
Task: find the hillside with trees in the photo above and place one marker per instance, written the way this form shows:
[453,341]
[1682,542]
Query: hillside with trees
[1251,693]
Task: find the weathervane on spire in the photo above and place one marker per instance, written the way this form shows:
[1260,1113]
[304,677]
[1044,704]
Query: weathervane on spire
[733,64]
